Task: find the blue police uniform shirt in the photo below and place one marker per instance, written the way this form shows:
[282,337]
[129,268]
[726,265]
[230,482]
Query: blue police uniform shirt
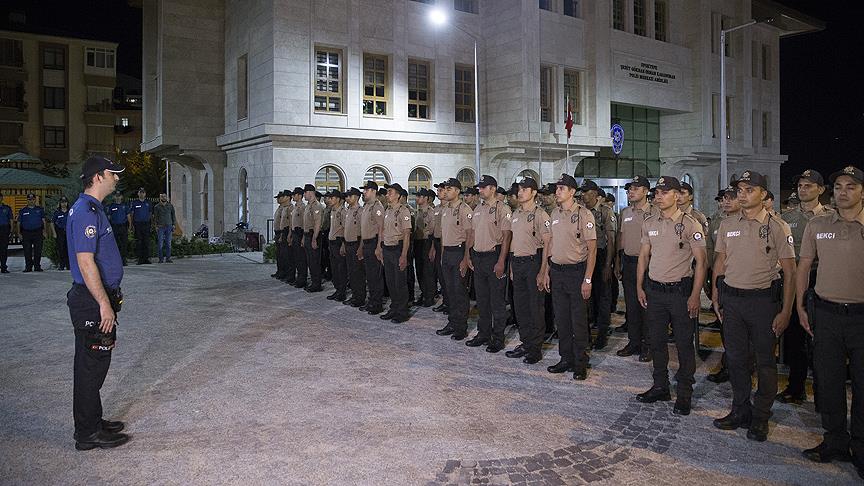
[59,219]
[31,219]
[5,215]
[118,213]
[88,231]
[140,210]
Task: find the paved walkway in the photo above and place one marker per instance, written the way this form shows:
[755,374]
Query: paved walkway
[224,375]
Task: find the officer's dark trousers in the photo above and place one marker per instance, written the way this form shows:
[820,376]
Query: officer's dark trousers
[838,339]
[356,274]
[396,280]
[456,288]
[282,256]
[439,273]
[426,269]
[613,294]
[491,293]
[528,301]
[338,267]
[324,257]
[31,240]
[411,277]
[62,250]
[795,355]
[142,241]
[420,266]
[570,312]
[637,331]
[747,319]
[299,256]
[669,304]
[374,274]
[4,244]
[121,236]
[600,296]
[313,260]
[90,366]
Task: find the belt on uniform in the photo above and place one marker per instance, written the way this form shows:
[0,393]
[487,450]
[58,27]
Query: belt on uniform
[838,308]
[669,286]
[629,258]
[566,266]
[460,246]
[526,258]
[374,238]
[308,232]
[392,247]
[298,229]
[494,250]
[729,290]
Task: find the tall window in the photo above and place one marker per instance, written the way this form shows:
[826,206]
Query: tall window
[242,87]
[11,94]
[468,6]
[715,31]
[11,52]
[571,8]
[573,94]
[754,128]
[54,137]
[419,178]
[374,85]
[545,4]
[715,115]
[53,57]
[377,174]
[639,17]
[466,177]
[418,90]
[766,62]
[754,59]
[660,19]
[328,80]
[243,200]
[640,154]
[54,98]
[328,179]
[618,15]
[729,106]
[546,91]
[10,133]
[464,94]
[766,129]
[100,57]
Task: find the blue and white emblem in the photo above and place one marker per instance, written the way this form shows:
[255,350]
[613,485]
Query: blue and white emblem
[617,134]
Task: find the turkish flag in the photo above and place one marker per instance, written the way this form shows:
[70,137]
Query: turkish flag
[568,122]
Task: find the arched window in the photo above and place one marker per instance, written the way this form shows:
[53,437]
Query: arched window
[419,178]
[205,197]
[526,173]
[329,178]
[467,177]
[243,199]
[378,174]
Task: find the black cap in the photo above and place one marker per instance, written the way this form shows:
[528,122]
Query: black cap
[686,186]
[720,194]
[853,172]
[753,178]
[638,181]
[309,187]
[396,187]
[770,195]
[528,182]
[471,190]
[382,191]
[451,182]
[141,189]
[589,185]
[812,176]
[501,190]
[353,192]
[277,196]
[431,194]
[601,192]
[547,189]
[369,185]
[610,197]
[297,191]
[567,180]
[96,164]
[487,180]
[667,183]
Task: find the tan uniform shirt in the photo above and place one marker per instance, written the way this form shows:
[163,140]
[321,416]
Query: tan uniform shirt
[286,217]
[672,242]
[430,219]
[528,229]
[351,223]
[455,219]
[371,218]
[297,215]
[397,219]
[337,223]
[744,241]
[698,216]
[797,220]
[631,228]
[277,218]
[571,230]
[490,221]
[436,216]
[605,220]
[839,246]
[312,216]
[420,224]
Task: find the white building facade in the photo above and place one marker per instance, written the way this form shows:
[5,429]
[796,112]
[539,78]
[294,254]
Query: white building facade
[247,98]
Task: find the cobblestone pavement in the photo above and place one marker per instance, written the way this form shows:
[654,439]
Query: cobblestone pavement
[224,375]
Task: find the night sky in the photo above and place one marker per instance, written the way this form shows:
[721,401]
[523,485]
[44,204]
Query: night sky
[822,99]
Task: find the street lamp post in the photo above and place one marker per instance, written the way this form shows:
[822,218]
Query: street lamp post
[438,17]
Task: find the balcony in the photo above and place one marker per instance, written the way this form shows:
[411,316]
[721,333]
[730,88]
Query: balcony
[99,114]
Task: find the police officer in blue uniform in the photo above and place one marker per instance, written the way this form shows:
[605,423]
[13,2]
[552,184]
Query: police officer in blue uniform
[31,227]
[5,230]
[141,212]
[118,216]
[94,301]
[59,224]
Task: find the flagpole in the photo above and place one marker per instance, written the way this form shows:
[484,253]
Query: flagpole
[567,158]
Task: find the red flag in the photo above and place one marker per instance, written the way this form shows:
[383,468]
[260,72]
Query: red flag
[568,122]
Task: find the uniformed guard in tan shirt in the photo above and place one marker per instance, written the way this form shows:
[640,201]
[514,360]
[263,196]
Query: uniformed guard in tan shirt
[601,292]
[423,243]
[351,223]
[312,218]
[336,244]
[279,235]
[685,204]
[371,220]
[572,250]
[456,240]
[752,247]
[395,241]
[297,250]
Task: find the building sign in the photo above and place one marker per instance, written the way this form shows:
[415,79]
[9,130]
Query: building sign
[617,134]
[646,71]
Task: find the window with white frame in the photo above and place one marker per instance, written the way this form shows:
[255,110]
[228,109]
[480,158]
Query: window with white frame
[99,57]
[242,87]
[419,178]
[466,177]
[329,178]
[464,92]
[328,80]
[377,174]
[546,93]
[573,94]
[419,90]
[375,91]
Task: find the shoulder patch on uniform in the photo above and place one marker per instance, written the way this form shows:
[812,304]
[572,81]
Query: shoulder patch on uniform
[697,236]
[90,231]
[589,225]
[790,240]
[507,215]
[378,213]
[470,215]
[407,218]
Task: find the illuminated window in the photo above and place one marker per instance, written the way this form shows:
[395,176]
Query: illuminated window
[419,178]
[374,85]
[418,90]
[377,174]
[572,94]
[328,80]
[466,177]
[328,179]
[464,94]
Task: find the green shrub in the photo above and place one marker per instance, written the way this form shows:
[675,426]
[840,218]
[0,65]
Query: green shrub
[270,253]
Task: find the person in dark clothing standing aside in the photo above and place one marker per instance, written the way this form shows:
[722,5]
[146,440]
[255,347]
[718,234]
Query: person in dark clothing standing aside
[31,227]
[59,227]
[140,212]
[118,216]
[94,302]
[5,230]
[166,220]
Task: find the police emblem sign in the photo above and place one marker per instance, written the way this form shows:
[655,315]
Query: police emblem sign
[617,134]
